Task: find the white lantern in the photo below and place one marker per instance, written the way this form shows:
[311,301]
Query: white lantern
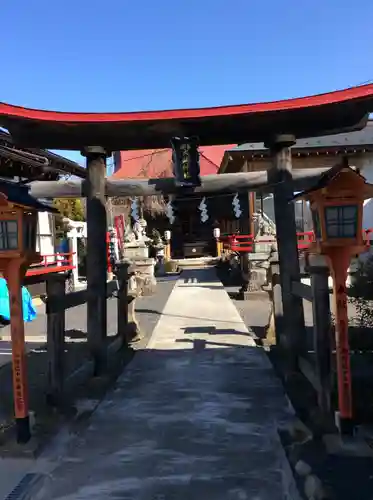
[216,232]
[167,235]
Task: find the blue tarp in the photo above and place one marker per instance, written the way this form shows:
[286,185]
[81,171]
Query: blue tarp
[29,312]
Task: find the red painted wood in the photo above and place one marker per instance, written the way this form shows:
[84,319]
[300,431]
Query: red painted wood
[244,242]
[52,263]
[335,97]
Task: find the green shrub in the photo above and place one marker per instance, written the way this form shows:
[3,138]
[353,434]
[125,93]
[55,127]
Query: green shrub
[361,294]
[362,280]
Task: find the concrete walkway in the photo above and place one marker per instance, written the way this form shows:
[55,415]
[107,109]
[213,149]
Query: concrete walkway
[194,416]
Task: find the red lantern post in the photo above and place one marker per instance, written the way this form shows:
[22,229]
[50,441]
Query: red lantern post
[18,223]
[337,205]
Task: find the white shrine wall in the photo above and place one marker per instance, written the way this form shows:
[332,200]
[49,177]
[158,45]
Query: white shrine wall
[366,169]
[45,235]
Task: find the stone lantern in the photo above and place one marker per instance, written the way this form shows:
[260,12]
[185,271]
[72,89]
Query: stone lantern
[336,204]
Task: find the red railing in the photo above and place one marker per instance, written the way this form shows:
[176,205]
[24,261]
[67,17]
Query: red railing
[241,242]
[59,262]
[245,242]
[52,263]
[305,239]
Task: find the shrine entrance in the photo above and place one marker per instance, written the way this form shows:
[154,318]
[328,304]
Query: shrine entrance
[97,135]
[192,231]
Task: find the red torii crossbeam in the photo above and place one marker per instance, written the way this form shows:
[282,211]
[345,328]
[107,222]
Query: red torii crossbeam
[333,112]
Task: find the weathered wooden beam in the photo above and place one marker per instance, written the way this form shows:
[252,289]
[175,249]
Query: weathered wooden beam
[87,368]
[277,313]
[246,227]
[123,271]
[302,290]
[309,371]
[73,299]
[319,271]
[96,255]
[225,183]
[55,340]
[281,176]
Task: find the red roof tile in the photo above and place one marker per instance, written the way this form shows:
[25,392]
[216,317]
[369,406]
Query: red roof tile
[155,163]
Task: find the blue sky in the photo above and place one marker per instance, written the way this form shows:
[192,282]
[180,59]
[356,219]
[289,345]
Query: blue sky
[126,55]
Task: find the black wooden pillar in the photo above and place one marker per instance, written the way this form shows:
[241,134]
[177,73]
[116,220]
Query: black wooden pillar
[277,306]
[246,227]
[322,345]
[55,284]
[280,175]
[124,272]
[96,254]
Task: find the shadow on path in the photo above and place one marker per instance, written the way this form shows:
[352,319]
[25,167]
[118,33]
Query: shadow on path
[152,311]
[195,423]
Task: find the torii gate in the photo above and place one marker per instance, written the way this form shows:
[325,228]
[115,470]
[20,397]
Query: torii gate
[96,135]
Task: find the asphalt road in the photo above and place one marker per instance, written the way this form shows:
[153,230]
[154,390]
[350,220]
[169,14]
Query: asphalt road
[148,311]
[5,352]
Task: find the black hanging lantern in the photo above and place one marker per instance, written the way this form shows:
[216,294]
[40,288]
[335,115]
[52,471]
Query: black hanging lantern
[185,159]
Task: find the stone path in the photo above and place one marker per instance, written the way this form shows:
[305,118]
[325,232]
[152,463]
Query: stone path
[194,416]
[15,473]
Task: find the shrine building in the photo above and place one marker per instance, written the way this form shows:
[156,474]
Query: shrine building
[24,165]
[314,152]
[191,237]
